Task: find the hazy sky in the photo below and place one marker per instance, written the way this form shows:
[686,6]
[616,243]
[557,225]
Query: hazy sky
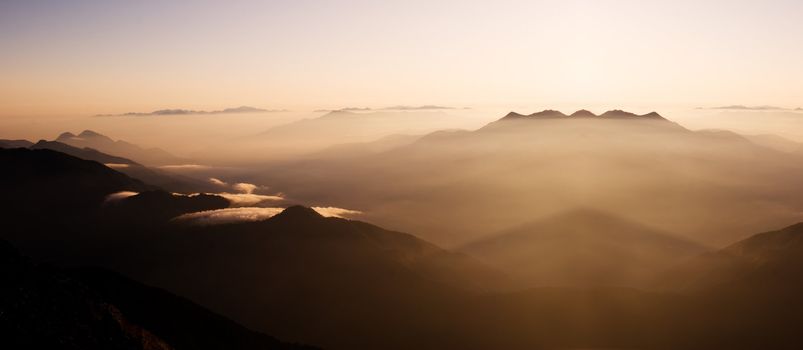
[89,57]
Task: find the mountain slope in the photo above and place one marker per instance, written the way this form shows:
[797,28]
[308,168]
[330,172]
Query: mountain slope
[581,248]
[298,265]
[15,143]
[763,263]
[41,180]
[42,308]
[94,140]
[83,153]
[152,176]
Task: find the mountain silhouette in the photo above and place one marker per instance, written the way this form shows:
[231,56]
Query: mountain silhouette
[15,143]
[579,115]
[583,247]
[46,308]
[103,143]
[151,176]
[83,153]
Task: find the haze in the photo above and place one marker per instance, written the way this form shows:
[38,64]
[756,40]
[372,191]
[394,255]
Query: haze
[401,175]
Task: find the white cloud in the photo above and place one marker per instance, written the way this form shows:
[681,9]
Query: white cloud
[216,181]
[117,165]
[120,195]
[229,215]
[244,187]
[248,199]
[184,167]
[336,212]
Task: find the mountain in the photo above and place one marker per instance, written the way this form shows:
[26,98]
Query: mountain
[42,307]
[298,266]
[553,114]
[520,167]
[94,140]
[83,153]
[15,143]
[583,247]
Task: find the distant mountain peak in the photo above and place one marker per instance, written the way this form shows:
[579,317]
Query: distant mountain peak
[548,113]
[65,135]
[583,113]
[514,115]
[87,134]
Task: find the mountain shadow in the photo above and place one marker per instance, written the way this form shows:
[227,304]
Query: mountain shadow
[583,247]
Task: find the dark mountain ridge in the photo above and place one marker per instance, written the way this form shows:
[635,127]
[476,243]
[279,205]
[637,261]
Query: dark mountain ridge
[47,308]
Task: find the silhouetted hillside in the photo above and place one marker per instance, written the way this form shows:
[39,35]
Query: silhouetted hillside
[44,308]
[50,181]
[15,143]
[83,153]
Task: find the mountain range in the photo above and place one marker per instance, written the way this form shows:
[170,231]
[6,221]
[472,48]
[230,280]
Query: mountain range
[346,284]
[234,110]
[520,167]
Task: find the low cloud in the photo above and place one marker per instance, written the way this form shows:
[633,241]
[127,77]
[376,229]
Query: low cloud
[336,212]
[750,108]
[114,197]
[216,181]
[417,108]
[184,167]
[243,195]
[244,187]
[249,199]
[117,165]
[391,108]
[229,215]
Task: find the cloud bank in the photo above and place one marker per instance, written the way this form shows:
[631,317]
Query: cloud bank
[336,212]
[392,108]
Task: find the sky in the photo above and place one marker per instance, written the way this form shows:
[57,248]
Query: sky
[79,58]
